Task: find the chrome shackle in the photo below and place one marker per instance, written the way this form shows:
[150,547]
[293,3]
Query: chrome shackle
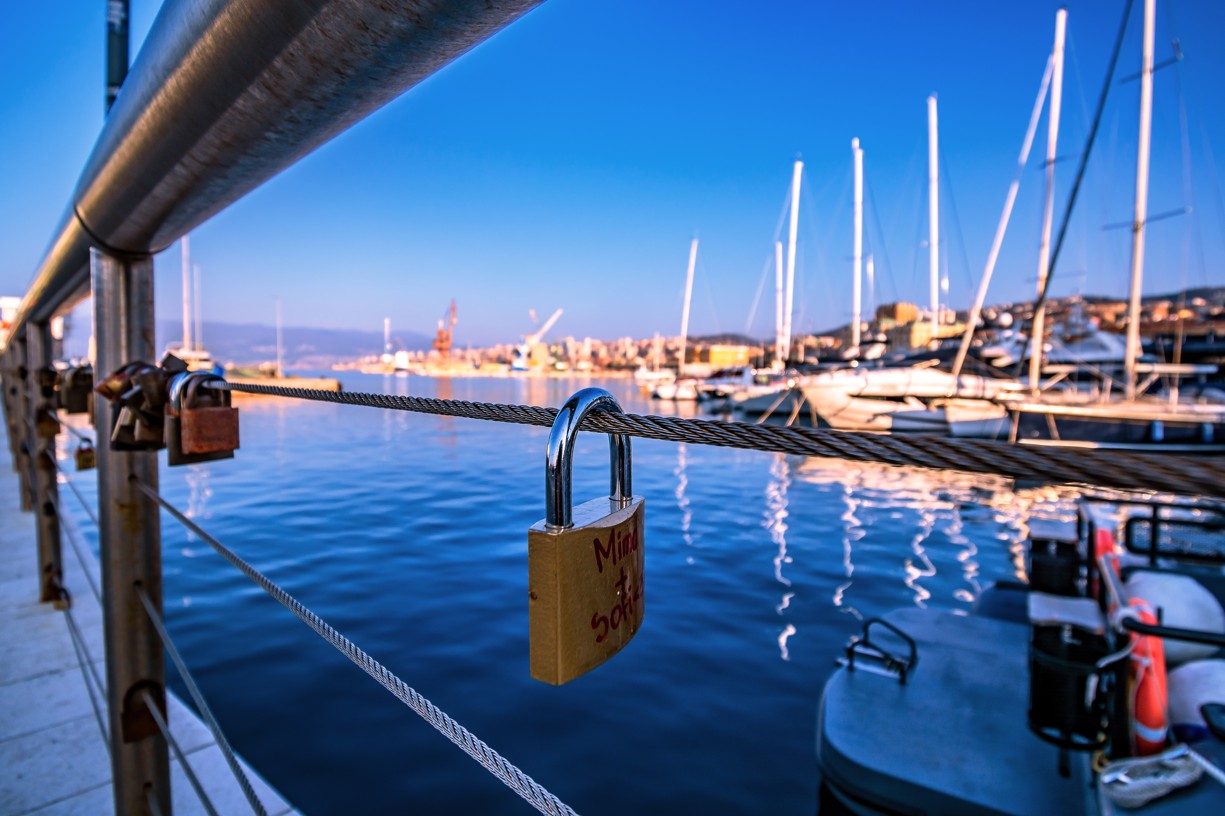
[560,456]
[179,386]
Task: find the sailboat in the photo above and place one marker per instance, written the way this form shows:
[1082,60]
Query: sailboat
[682,388]
[908,396]
[191,349]
[774,390]
[1100,417]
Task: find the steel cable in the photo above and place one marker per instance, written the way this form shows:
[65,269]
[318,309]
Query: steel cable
[206,713]
[1121,470]
[164,727]
[67,524]
[531,791]
[76,491]
[87,669]
[74,431]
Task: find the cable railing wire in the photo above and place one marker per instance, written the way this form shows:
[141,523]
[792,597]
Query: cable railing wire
[67,524]
[1121,470]
[75,432]
[515,779]
[151,800]
[88,669]
[164,727]
[206,713]
[71,486]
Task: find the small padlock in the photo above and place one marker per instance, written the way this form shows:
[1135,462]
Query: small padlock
[87,459]
[139,391]
[585,568]
[123,430]
[201,426]
[76,387]
[46,423]
[113,385]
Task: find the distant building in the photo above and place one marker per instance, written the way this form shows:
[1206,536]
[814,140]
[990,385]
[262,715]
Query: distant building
[719,355]
[892,314]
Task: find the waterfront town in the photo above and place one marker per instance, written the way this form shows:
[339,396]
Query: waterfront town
[1186,326]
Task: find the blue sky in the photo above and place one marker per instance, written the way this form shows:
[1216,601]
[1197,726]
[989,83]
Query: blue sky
[568,161]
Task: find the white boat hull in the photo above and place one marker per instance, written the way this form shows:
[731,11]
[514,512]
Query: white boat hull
[893,399]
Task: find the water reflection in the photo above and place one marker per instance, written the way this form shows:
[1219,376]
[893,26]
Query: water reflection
[776,524]
[682,501]
[199,491]
[925,569]
[853,531]
[939,514]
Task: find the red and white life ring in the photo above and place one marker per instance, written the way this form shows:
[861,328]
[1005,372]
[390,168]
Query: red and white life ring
[1104,547]
[1149,696]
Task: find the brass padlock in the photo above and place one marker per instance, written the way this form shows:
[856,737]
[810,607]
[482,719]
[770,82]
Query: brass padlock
[585,568]
[87,458]
[201,426]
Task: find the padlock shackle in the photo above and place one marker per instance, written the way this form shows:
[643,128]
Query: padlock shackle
[560,456]
[184,382]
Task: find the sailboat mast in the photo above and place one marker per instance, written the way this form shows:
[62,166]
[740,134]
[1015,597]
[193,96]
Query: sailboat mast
[280,371]
[977,310]
[199,338]
[780,352]
[857,287]
[693,257]
[1048,213]
[791,235]
[1137,229]
[870,271]
[933,214]
[186,295]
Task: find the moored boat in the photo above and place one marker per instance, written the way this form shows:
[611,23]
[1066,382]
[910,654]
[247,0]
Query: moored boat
[1052,696]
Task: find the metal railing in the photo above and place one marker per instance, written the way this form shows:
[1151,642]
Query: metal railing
[223,96]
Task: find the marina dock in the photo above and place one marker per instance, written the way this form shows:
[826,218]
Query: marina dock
[52,749]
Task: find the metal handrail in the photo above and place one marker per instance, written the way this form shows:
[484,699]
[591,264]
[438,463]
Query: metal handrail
[1131,623]
[224,95]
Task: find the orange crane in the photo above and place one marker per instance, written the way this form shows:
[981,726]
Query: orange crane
[442,341]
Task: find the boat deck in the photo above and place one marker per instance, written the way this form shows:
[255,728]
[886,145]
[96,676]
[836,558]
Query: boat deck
[53,757]
[955,738]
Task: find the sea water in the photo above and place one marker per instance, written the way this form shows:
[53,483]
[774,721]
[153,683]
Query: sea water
[408,533]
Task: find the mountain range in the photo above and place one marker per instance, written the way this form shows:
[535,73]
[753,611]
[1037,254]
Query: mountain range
[302,347]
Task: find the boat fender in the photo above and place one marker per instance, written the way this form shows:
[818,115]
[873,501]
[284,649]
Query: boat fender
[1192,686]
[1185,603]
[1149,698]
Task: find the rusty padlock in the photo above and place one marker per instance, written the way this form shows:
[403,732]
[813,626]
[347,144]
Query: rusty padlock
[201,425]
[87,458]
[113,385]
[585,568]
[123,430]
[138,389]
[75,389]
[46,423]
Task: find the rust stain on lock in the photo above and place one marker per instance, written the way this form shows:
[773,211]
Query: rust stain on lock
[209,430]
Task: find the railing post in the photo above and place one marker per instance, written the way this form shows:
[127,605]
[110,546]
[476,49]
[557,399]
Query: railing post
[40,389]
[20,427]
[8,378]
[130,544]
